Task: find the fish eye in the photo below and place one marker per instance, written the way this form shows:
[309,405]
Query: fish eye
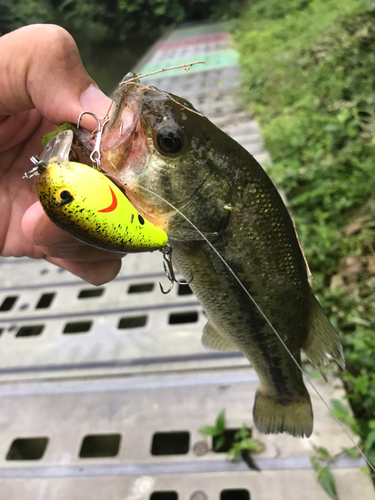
[169,140]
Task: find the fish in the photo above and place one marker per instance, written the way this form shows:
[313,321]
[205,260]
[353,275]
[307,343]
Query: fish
[87,205]
[229,228]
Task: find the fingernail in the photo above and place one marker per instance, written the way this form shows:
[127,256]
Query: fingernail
[95,100]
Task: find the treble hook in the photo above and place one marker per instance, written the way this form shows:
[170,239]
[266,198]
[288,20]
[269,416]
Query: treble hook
[95,155]
[169,271]
[39,168]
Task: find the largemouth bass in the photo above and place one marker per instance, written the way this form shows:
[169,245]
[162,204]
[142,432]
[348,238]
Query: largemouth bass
[176,166]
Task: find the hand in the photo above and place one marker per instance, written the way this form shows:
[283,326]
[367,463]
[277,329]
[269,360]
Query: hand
[42,84]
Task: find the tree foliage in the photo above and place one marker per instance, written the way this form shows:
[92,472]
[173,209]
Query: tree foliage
[116,19]
[112,35]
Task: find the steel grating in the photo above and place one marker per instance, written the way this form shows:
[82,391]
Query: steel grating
[269,485]
[89,376]
[135,409]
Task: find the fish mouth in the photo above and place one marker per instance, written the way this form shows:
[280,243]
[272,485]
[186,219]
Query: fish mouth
[123,137]
[126,147]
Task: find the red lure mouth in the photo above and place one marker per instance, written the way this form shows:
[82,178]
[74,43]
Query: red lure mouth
[113,204]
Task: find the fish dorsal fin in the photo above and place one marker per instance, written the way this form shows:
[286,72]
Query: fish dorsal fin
[213,338]
[322,339]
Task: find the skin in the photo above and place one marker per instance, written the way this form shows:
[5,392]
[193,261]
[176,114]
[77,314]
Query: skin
[43,83]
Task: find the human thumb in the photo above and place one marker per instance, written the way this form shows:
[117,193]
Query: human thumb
[41,68]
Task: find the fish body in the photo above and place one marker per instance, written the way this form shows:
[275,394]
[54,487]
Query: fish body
[86,204]
[181,172]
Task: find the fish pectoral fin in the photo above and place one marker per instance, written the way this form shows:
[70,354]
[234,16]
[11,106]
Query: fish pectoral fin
[213,338]
[290,414]
[322,339]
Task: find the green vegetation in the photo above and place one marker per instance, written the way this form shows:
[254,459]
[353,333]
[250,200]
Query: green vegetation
[322,459]
[324,475]
[112,35]
[118,19]
[309,77]
[236,444]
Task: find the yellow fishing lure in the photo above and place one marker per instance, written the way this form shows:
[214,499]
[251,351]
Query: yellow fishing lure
[87,205]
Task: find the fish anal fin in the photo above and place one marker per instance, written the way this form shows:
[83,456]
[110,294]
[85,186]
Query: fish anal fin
[322,339]
[273,415]
[213,338]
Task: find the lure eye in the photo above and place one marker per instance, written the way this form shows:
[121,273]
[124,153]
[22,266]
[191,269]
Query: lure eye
[64,196]
[170,140]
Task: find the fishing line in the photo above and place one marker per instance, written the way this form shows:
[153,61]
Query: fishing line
[357,447]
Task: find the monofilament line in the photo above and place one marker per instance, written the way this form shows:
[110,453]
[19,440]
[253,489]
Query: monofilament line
[267,320]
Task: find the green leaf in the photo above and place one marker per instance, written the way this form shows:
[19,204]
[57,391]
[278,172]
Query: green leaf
[370,455]
[235,451]
[370,440]
[323,454]
[315,463]
[242,433]
[63,126]
[49,136]
[327,481]
[314,374]
[339,410]
[219,441]
[66,126]
[351,452]
[220,421]
[251,445]
[209,431]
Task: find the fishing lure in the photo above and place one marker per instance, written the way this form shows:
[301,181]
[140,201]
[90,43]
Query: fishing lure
[89,206]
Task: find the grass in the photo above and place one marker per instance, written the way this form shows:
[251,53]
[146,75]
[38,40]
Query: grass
[309,77]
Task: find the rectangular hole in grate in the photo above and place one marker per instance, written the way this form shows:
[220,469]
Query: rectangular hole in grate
[100,445]
[235,495]
[45,300]
[27,448]
[184,290]
[1,331]
[77,327]
[141,288]
[30,331]
[90,293]
[228,441]
[132,322]
[183,317]
[170,443]
[8,303]
[164,495]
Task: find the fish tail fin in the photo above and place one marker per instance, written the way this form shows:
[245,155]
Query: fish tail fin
[322,339]
[292,415]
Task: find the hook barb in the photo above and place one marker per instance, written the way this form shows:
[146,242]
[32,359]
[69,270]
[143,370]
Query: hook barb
[169,271]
